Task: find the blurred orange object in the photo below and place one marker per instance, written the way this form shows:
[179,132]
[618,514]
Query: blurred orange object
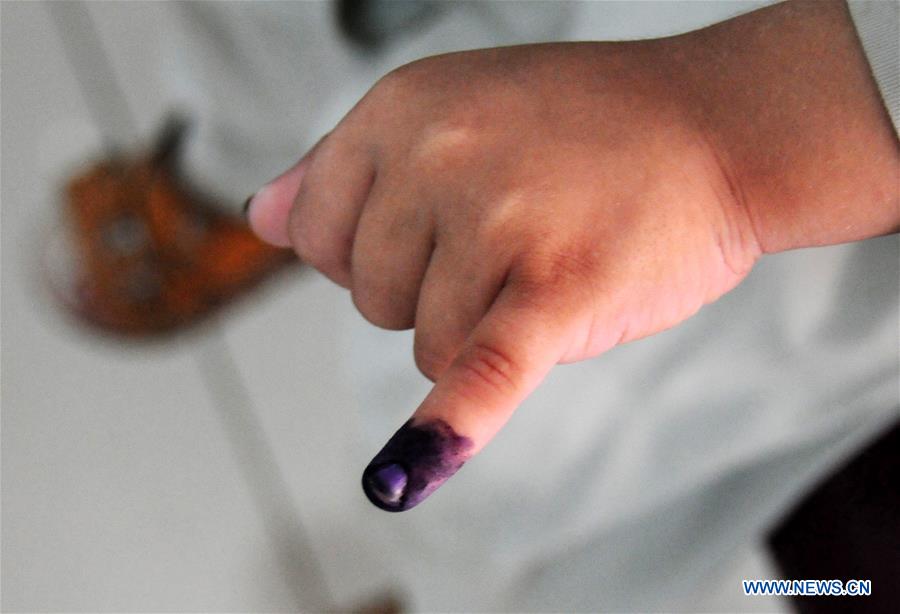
[148,254]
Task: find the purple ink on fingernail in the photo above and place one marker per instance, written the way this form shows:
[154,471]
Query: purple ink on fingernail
[413,464]
[389,483]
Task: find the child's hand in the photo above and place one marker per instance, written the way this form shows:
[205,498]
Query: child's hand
[526,206]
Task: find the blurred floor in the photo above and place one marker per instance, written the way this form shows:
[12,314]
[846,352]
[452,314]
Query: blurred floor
[125,484]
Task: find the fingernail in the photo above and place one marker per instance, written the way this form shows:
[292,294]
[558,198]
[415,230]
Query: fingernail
[388,483]
[413,464]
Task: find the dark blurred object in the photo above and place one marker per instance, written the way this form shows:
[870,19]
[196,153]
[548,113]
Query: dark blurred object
[144,253]
[371,23]
[849,528]
[386,603]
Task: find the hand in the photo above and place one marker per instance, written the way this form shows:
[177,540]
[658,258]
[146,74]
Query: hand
[531,205]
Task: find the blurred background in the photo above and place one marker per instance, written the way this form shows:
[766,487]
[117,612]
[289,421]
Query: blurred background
[217,468]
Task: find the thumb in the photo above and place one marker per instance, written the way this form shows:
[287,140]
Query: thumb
[268,210]
[505,358]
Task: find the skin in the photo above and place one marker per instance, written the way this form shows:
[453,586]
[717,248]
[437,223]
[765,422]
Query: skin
[526,206]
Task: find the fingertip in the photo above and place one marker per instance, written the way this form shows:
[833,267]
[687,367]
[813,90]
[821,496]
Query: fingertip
[268,210]
[415,462]
[385,485]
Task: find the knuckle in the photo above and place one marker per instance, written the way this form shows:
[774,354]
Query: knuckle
[552,269]
[394,84]
[443,146]
[429,360]
[317,248]
[317,245]
[381,307]
[441,140]
[304,240]
[392,79]
[486,366]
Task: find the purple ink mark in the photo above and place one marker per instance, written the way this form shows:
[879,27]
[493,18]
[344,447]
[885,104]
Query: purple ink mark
[389,483]
[413,464]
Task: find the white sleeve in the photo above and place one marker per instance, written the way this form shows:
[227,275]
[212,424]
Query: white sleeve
[878,25]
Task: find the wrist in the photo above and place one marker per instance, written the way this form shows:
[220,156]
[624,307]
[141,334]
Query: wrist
[786,99]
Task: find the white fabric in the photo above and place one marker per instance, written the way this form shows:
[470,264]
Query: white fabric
[878,25]
[624,481]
